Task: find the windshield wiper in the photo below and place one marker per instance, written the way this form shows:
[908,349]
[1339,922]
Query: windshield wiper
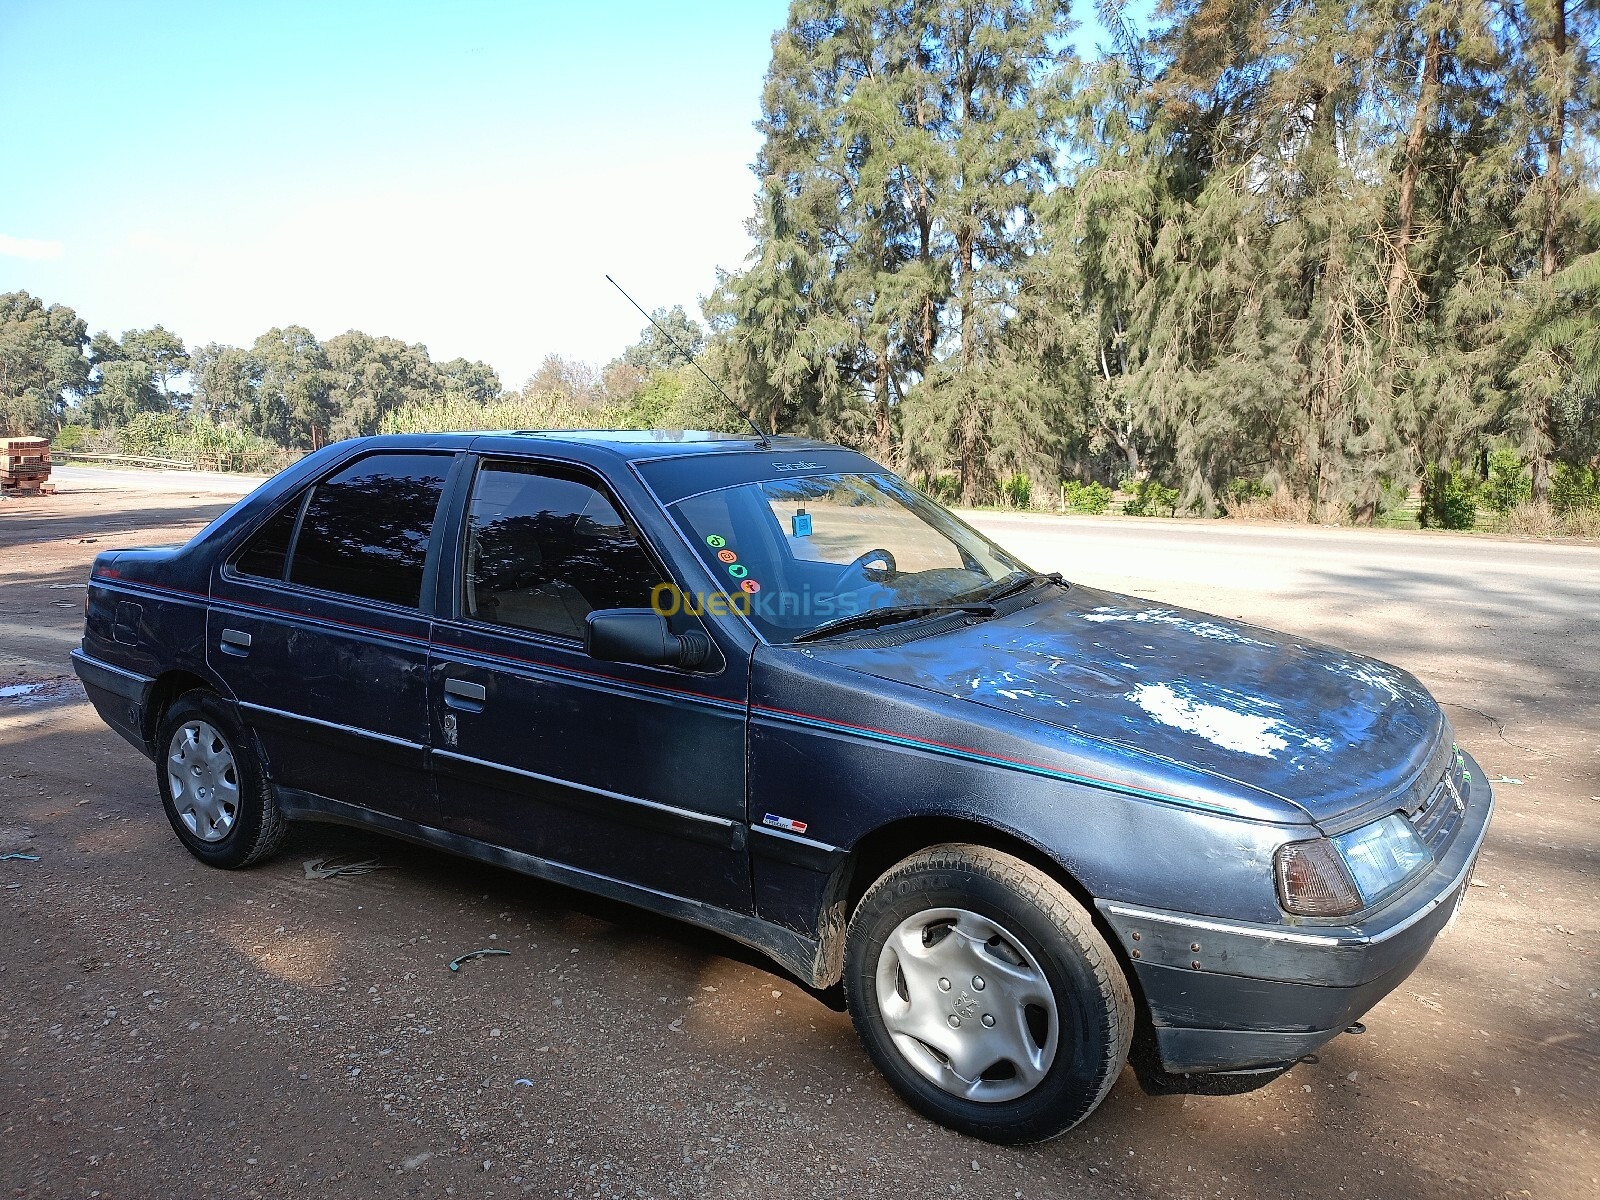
[891,614]
[1011,584]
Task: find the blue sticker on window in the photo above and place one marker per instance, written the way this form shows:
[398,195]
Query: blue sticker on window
[801,524]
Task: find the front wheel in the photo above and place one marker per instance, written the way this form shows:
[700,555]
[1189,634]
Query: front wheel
[983,993]
[213,786]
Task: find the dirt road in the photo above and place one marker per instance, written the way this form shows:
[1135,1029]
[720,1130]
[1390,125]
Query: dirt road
[168,1030]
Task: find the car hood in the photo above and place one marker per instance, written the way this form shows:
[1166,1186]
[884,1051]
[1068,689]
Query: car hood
[1318,727]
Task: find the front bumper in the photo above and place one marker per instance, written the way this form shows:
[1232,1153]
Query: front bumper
[1235,996]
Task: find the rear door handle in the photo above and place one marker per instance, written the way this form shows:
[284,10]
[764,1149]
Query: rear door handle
[235,642]
[463,693]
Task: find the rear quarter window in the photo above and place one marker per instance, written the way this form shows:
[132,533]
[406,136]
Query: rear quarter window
[267,552]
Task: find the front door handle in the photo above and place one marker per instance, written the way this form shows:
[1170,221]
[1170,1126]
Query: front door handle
[235,642]
[463,693]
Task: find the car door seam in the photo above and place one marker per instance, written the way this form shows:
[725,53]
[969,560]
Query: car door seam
[654,805]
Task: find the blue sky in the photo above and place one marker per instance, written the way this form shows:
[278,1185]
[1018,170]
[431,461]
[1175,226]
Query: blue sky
[460,174]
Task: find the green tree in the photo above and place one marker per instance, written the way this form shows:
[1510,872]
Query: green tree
[226,383]
[163,353]
[1088,288]
[134,375]
[123,389]
[369,377]
[1002,91]
[472,381]
[786,349]
[653,352]
[846,110]
[292,400]
[1549,48]
[901,146]
[43,364]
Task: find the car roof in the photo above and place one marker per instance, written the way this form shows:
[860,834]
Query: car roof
[634,445]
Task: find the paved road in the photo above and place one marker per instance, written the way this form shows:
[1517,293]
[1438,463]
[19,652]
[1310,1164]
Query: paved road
[166,1030]
[110,479]
[1504,627]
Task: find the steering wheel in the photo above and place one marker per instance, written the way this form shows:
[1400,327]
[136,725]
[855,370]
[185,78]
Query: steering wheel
[860,565]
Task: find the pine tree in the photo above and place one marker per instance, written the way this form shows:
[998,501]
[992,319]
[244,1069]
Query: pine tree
[1003,91]
[789,354]
[835,111]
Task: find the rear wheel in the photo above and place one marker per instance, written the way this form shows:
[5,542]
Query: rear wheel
[984,994]
[213,785]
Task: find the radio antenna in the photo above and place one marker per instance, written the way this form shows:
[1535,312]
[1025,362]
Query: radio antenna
[762,439]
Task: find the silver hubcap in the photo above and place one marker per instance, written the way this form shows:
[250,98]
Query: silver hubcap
[204,781]
[967,1005]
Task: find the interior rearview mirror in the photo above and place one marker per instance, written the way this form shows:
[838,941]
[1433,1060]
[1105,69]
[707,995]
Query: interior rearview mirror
[641,635]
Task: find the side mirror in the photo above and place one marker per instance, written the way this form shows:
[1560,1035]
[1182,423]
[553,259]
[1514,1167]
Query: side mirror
[641,635]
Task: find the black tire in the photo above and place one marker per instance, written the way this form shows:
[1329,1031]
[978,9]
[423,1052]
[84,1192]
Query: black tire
[1095,1011]
[258,825]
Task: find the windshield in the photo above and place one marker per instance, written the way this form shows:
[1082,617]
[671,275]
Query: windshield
[797,554]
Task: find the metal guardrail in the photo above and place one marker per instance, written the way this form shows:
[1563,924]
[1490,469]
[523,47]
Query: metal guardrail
[177,464]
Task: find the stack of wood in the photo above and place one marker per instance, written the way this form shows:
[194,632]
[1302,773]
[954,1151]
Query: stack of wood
[25,465]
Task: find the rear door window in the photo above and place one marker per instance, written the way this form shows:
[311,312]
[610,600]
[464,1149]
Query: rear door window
[365,530]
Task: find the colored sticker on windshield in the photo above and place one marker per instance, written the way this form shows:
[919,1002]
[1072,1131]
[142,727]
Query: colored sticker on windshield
[727,556]
[738,570]
[750,585]
[716,541]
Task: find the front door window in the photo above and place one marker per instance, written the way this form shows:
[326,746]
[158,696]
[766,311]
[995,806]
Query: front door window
[544,551]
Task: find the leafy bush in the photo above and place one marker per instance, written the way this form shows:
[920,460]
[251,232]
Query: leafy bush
[1574,488]
[515,410]
[72,438]
[1241,493]
[1017,491]
[652,405]
[150,434]
[1508,484]
[1448,500]
[1393,496]
[1085,497]
[946,489]
[209,446]
[1152,499]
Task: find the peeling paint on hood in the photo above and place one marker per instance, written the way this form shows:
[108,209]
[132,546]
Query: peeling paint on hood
[1231,726]
[1178,620]
[1320,727]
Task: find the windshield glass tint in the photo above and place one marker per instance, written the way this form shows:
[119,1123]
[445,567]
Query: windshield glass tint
[806,551]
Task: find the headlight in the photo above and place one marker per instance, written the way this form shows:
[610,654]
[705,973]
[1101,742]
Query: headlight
[1332,877]
[1383,856]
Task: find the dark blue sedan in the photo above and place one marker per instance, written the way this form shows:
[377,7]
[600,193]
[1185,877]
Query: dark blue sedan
[1034,829]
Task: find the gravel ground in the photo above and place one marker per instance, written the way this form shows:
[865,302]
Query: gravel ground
[172,1031]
